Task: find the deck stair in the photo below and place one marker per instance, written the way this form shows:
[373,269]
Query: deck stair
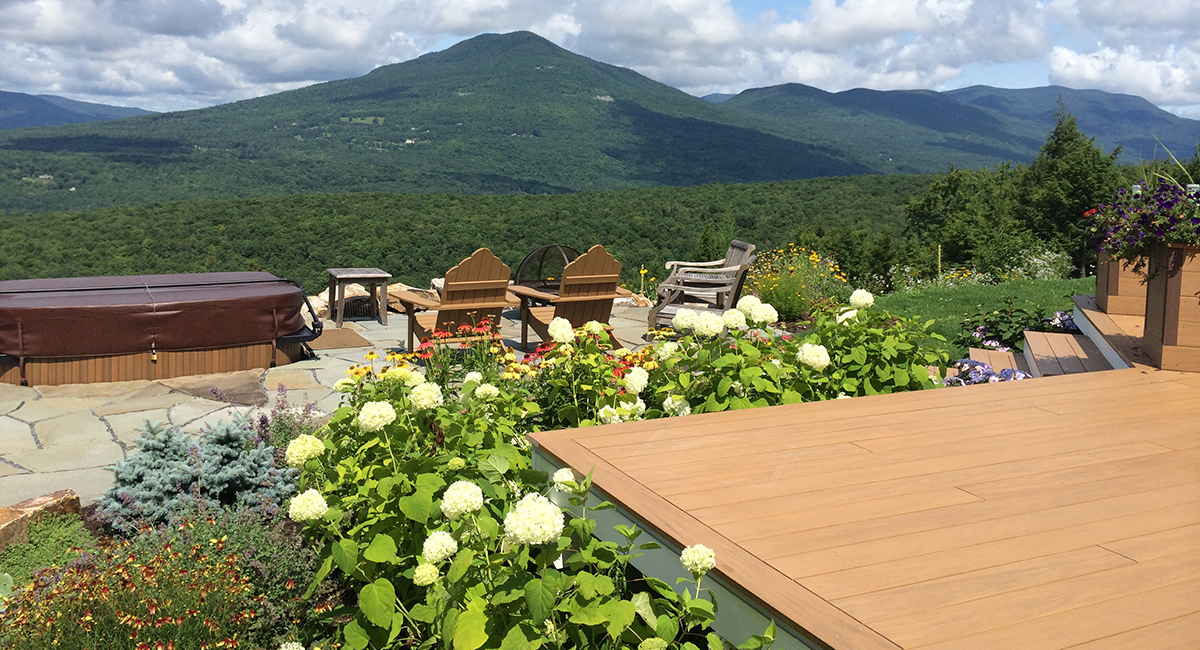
[999,360]
[1052,353]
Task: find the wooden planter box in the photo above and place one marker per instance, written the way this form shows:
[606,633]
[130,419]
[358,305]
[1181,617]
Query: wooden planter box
[1172,335]
[1118,289]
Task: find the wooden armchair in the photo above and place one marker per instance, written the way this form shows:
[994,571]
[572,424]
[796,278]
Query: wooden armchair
[702,286]
[586,292]
[476,289]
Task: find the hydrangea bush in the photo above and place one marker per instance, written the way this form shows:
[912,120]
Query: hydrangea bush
[422,499]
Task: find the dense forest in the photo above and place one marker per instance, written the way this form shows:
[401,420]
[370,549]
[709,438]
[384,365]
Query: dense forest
[419,236]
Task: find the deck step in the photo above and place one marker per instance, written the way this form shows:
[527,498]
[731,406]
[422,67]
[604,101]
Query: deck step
[1051,353]
[1117,336]
[999,360]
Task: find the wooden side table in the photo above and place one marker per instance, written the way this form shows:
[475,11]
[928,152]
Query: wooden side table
[374,279]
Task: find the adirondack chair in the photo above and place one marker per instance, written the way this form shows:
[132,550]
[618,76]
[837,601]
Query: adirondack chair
[702,286]
[476,289]
[586,292]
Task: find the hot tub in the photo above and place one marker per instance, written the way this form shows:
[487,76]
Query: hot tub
[83,330]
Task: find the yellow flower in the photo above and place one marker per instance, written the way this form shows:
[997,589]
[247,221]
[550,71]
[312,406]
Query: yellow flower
[371,356]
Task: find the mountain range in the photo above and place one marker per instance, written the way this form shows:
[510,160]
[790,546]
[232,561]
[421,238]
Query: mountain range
[19,110]
[516,113]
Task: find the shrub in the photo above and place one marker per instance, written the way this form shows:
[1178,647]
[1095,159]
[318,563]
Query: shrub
[270,549]
[423,501]
[54,540]
[173,472]
[794,279]
[183,597]
[1003,329]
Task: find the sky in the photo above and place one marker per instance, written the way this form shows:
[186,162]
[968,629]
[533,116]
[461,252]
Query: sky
[179,54]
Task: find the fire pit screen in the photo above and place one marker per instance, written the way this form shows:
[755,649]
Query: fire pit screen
[542,269]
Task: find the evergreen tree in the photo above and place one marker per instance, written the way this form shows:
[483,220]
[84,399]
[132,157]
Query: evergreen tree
[1070,176]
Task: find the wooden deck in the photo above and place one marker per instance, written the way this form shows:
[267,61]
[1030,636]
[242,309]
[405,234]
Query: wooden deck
[1059,512]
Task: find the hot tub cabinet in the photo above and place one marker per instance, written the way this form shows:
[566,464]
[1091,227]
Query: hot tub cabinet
[84,330]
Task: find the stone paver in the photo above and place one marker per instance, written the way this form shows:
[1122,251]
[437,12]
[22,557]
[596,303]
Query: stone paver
[163,400]
[8,406]
[242,387]
[8,470]
[112,389]
[15,436]
[10,392]
[330,376]
[291,378]
[89,484]
[216,417]
[194,409]
[55,459]
[128,426]
[44,409]
[74,429]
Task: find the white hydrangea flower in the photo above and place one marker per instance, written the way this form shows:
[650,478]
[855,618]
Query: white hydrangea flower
[636,408]
[344,385]
[734,319]
[426,396]
[425,575]
[302,448]
[747,303]
[698,559]
[561,478]
[676,405]
[636,379]
[487,392]
[438,546]
[460,498]
[533,521]
[621,353]
[842,396]
[708,324]
[473,376]
[861,299]
[376,415]
[685,319]
[414,378]
[595,328]
[608,415]
[763,314]
[666,350]
[814,356]
[561,331]
[291,645]
[307,506]
[847,315]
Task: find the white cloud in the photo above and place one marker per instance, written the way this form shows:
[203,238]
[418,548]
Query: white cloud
[1172,77]
[167,54]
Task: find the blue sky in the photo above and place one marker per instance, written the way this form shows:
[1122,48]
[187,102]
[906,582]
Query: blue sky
[178,54]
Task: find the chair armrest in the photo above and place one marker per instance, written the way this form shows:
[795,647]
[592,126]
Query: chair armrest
[529,292]
[672,265]
[610,296]
[409,298]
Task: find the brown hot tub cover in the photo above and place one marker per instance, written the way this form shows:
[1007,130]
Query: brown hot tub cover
[79,317]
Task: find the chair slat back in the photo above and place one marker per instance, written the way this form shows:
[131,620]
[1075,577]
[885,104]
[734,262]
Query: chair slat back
[739,252]
[595,273]
[473,291]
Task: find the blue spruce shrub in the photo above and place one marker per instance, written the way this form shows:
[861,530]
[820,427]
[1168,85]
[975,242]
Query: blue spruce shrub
[173,472]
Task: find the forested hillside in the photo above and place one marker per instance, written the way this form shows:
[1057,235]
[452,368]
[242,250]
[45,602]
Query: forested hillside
[416,237]
[514,113]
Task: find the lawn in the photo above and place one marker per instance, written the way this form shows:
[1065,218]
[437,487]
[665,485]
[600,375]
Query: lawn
[949,305]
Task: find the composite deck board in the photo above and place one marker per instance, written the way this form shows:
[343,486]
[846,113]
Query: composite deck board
[1045,513]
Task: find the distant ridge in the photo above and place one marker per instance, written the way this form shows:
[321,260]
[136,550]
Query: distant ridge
[19,110]
[515,113]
